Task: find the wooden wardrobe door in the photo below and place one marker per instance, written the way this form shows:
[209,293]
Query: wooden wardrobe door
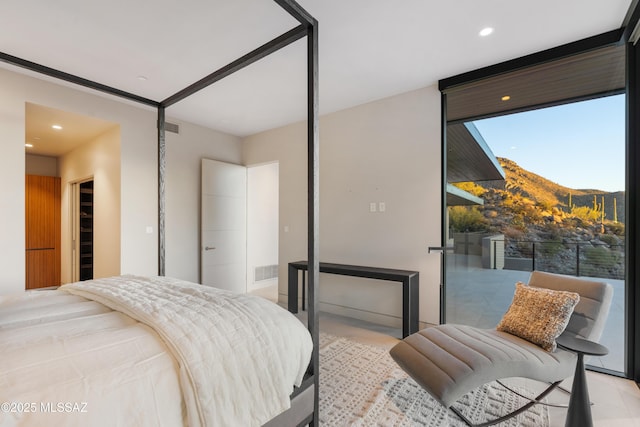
[42,231]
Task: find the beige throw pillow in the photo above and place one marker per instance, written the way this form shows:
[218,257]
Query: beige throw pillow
[538,315]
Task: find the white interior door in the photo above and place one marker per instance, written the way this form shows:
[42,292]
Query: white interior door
[224,225]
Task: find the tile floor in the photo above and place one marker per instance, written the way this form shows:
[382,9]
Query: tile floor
[616,400]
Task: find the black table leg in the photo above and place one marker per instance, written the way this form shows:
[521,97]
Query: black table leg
[293,289]
[304,297]
[579,412]
[410,306]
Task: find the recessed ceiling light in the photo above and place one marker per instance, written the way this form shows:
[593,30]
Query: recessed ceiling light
[143,78]
[28,145]
[486,31]
[57,127]
[506,98]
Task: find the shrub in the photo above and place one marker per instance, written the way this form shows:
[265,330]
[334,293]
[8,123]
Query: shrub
[599,260]
[609,239]
[616,228]
[464,219]
[585,213]
[545,205]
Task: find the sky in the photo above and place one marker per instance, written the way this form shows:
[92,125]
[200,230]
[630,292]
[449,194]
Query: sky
[579,145]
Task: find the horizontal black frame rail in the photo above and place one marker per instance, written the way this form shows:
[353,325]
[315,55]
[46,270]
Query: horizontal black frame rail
[265,50]
[80,81]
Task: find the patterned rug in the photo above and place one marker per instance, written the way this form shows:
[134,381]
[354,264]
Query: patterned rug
[361,385]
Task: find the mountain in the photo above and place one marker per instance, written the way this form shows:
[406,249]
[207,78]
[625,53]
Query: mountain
[529,185]
[561,229]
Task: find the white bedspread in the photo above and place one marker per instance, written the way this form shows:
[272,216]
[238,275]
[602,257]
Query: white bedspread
[67,361]
[237,356]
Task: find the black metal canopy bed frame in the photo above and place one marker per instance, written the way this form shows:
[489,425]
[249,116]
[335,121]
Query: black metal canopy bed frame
[299,413]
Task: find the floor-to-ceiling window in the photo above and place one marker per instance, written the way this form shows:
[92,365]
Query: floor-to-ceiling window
[535,180]
[560,208]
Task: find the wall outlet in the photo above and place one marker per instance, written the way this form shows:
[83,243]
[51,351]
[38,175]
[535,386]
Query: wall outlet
[372,207]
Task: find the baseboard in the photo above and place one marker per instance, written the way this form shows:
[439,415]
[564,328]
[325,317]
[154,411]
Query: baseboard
[355,313]
[367,316]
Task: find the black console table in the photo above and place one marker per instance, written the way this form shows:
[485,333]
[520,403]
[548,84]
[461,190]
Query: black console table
[409,280]
[579,412]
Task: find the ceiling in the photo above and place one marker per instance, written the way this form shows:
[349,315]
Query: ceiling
[74,130]
[369,49]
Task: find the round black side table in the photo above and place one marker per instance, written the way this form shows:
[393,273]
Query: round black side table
[579,413]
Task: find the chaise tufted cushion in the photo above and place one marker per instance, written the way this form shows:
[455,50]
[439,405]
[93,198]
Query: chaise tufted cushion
[450,360]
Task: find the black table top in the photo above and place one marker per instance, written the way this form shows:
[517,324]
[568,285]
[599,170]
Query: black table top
[333,267]
[580,345]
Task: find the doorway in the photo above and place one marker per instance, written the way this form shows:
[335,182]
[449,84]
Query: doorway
[240,217]
[77,148]
[82,230]
[262,230]
[42,236]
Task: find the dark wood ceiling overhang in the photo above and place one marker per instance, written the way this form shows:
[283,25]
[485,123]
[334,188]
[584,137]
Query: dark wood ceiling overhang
[586,69]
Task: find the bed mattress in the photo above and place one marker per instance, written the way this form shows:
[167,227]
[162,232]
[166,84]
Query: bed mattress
[144,351]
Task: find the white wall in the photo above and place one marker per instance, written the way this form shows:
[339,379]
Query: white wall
[388,150]
[98,159]
[138,171]
[262,221]
[184,152]
[384,151]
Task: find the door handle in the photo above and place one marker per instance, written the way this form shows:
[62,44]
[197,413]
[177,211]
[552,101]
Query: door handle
[209,248]
[440,248]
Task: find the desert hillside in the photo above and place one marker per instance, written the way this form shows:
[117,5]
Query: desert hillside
[527,208]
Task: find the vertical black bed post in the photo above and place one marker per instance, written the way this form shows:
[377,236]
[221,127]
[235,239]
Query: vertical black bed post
[313,187]
[313,141]
[161,179]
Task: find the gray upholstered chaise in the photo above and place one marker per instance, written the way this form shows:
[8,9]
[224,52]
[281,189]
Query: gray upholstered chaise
[451,360]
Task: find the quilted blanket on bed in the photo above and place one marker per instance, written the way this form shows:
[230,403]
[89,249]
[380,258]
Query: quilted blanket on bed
[239,355]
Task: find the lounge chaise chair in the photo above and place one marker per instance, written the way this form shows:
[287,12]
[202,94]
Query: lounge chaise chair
[451,360]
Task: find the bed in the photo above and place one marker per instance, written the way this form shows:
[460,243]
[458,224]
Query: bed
[148,351]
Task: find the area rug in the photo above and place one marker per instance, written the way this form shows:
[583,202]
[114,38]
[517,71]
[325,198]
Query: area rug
[361,385]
